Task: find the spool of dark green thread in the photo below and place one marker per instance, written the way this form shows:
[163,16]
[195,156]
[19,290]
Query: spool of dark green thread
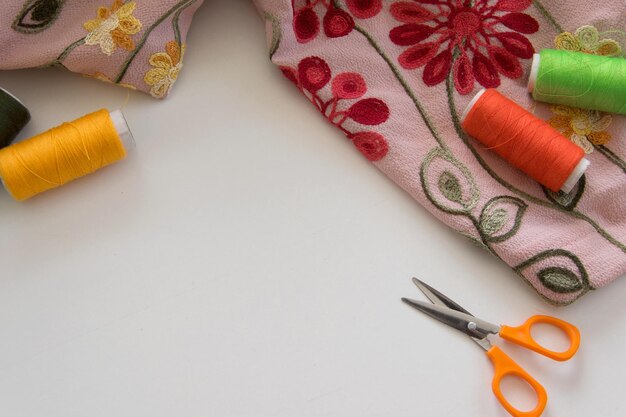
[579,80]
[13,117]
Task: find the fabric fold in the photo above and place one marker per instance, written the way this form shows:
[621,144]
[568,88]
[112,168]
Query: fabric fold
[135,44]
[394,77]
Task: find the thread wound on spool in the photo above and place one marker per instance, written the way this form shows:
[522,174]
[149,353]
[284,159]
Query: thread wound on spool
[522,139]
[60,155]
[13,117]
[580,80]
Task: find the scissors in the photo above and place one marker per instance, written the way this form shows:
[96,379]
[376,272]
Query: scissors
[447,311]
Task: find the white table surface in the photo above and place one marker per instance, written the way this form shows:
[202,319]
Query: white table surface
[237,264]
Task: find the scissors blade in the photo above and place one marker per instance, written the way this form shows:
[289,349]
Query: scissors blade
[466,323]
[437,297]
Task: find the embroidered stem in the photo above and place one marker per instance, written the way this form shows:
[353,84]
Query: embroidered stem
[547,16]
[405,86]
[474,240]
[483,240]
[333,109]
[175,24]
[606,235]
[276,33]
[612,157]
[422,112]
[461,133]
[59,60]
[181,4]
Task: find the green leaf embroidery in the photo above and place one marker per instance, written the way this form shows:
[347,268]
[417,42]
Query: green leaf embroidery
[574,214]
[558,271]
[567,201]
[450,187]
[501,218]
[455,191]
[560,280]
[494,221]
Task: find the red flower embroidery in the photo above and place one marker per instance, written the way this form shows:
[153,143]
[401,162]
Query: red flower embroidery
[371,144]
[369,111]
[484,50]
[306,22]
[337,23]
[364,9]
[348,85]
[313,74]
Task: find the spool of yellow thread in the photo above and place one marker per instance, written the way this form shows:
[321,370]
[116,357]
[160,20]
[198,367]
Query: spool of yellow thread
[64,153]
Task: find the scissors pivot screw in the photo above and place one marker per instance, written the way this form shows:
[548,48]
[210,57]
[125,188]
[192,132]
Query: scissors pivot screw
[471,325]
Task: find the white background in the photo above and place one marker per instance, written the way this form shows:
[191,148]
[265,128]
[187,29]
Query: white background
[245,260]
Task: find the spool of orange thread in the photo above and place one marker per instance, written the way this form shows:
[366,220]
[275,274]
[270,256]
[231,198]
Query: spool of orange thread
[524,140]
[64,153]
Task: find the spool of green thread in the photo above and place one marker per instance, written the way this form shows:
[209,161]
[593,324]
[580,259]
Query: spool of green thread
[579,80]
[13,117]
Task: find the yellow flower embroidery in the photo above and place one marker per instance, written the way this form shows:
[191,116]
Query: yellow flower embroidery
[166,66]
[114,27]
[102,77]
[587,39]
[583,127]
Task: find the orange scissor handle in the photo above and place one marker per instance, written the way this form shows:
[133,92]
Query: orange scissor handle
[522,336]
[505,366]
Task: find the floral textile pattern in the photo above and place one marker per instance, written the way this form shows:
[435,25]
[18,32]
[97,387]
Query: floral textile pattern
[341,55]
[313,74]
[473,30]
[336,22]
[585,128]
[364,9]
[113,28]
[587,39]
[165,69]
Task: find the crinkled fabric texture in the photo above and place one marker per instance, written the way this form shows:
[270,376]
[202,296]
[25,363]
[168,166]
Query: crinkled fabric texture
[394,77]
[137,44]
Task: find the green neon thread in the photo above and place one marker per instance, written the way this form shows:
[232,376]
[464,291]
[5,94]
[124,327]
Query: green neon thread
[574,213]
[581,80]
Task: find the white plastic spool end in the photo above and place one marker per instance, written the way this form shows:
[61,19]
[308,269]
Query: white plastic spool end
[534,70]
[573,178]
[471,104]
[119,121]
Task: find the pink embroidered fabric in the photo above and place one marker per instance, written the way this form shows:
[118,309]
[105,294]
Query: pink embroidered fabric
[138,44]
[395,76]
